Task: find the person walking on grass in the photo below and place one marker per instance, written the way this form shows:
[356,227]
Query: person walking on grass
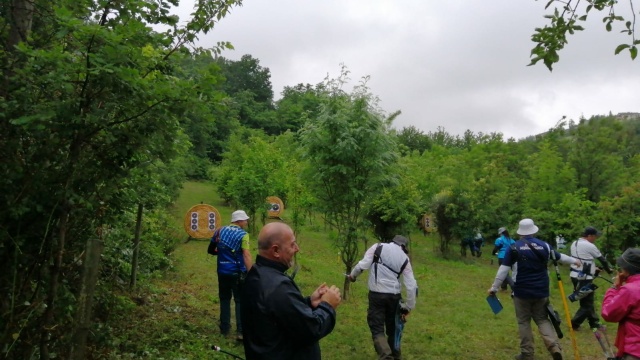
[621,304]
[278,322]
[234,260]
[501,246]
[529,261]
[586,250]
[389,261]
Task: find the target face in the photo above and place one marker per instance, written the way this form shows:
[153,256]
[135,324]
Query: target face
[201,221]
[276,207]
[427,223]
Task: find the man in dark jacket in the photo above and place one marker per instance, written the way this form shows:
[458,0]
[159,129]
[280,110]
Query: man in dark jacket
[278,322]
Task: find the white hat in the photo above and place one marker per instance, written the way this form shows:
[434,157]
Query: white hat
[526,227]
[501,230]
[239,215]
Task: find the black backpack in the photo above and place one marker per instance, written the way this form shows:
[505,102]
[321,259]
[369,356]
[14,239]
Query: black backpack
[213,244]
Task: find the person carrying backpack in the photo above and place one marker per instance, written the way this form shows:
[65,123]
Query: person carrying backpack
[386,262]
[586,250]
[528,258]
[234,260]
[501,245]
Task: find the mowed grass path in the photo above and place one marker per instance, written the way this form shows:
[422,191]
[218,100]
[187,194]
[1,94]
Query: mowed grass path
[451,321]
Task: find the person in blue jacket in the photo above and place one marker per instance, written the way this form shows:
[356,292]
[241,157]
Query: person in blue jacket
[528,260]
[501,245]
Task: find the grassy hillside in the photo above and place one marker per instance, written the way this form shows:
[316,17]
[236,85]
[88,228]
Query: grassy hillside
[177,319]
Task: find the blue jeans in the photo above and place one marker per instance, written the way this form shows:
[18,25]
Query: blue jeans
[229,286]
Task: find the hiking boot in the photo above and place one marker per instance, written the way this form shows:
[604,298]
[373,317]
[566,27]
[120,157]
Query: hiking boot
[557,356]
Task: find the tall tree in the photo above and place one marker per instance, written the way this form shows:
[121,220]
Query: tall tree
[349,150]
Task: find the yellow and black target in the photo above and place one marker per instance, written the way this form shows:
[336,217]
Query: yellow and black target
[201,221]
[427,223]
[276,206]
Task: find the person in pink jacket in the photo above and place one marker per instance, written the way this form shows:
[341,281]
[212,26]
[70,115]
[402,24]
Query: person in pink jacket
[622,305]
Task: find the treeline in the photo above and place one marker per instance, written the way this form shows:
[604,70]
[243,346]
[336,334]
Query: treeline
[102,118]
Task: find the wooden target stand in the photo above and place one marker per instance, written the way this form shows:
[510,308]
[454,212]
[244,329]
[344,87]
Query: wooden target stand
[201,221]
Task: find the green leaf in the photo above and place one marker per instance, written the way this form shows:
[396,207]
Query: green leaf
[620,48]
[634,52]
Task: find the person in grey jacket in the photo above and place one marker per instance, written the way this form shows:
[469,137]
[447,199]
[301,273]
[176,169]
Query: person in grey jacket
[389,261]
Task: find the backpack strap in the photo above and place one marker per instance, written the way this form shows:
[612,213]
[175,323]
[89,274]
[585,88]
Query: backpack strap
[376,261]
[538,254]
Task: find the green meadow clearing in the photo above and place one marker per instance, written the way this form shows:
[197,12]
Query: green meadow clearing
[176,317]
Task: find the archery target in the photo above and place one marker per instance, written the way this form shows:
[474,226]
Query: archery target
[276,207]
[201,221]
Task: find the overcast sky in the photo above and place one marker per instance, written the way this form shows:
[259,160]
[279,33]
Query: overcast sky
[459,64]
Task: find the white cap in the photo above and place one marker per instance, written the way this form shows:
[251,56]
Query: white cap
[526,227]
[239,215]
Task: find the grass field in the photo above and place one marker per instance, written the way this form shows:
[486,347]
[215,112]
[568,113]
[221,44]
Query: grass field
[452,320]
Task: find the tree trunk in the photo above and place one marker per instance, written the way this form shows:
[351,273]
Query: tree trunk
[136,248]
[21,20]
[347,287]
[90,273]
[48,316]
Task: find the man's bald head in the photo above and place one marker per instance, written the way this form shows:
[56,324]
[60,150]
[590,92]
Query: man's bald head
[273,234]
[277,242]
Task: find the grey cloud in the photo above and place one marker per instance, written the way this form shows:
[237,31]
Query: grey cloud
[456,64]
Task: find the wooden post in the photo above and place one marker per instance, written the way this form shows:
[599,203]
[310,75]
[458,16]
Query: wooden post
[136,248]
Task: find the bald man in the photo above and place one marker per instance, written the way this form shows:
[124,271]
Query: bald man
[278,322]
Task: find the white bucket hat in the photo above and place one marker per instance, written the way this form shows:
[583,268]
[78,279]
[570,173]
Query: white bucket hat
[239,215]
[526,227]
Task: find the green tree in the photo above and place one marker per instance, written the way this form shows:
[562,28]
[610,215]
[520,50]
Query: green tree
[621,214]
[567,17]
[349,150]
[90,93]
[252,171]
[414,139]
[549,178]
[596,159]
[298,103]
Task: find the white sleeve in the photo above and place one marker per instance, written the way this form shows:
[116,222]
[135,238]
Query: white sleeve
[502,273]
[567,259]
[365,263]
[411,285]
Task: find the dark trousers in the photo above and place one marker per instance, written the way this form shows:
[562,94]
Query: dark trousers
[228,286]
[381,314]
[587,310]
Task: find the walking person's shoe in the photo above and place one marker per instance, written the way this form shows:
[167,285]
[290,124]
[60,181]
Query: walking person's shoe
[524,356]
[239,337]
